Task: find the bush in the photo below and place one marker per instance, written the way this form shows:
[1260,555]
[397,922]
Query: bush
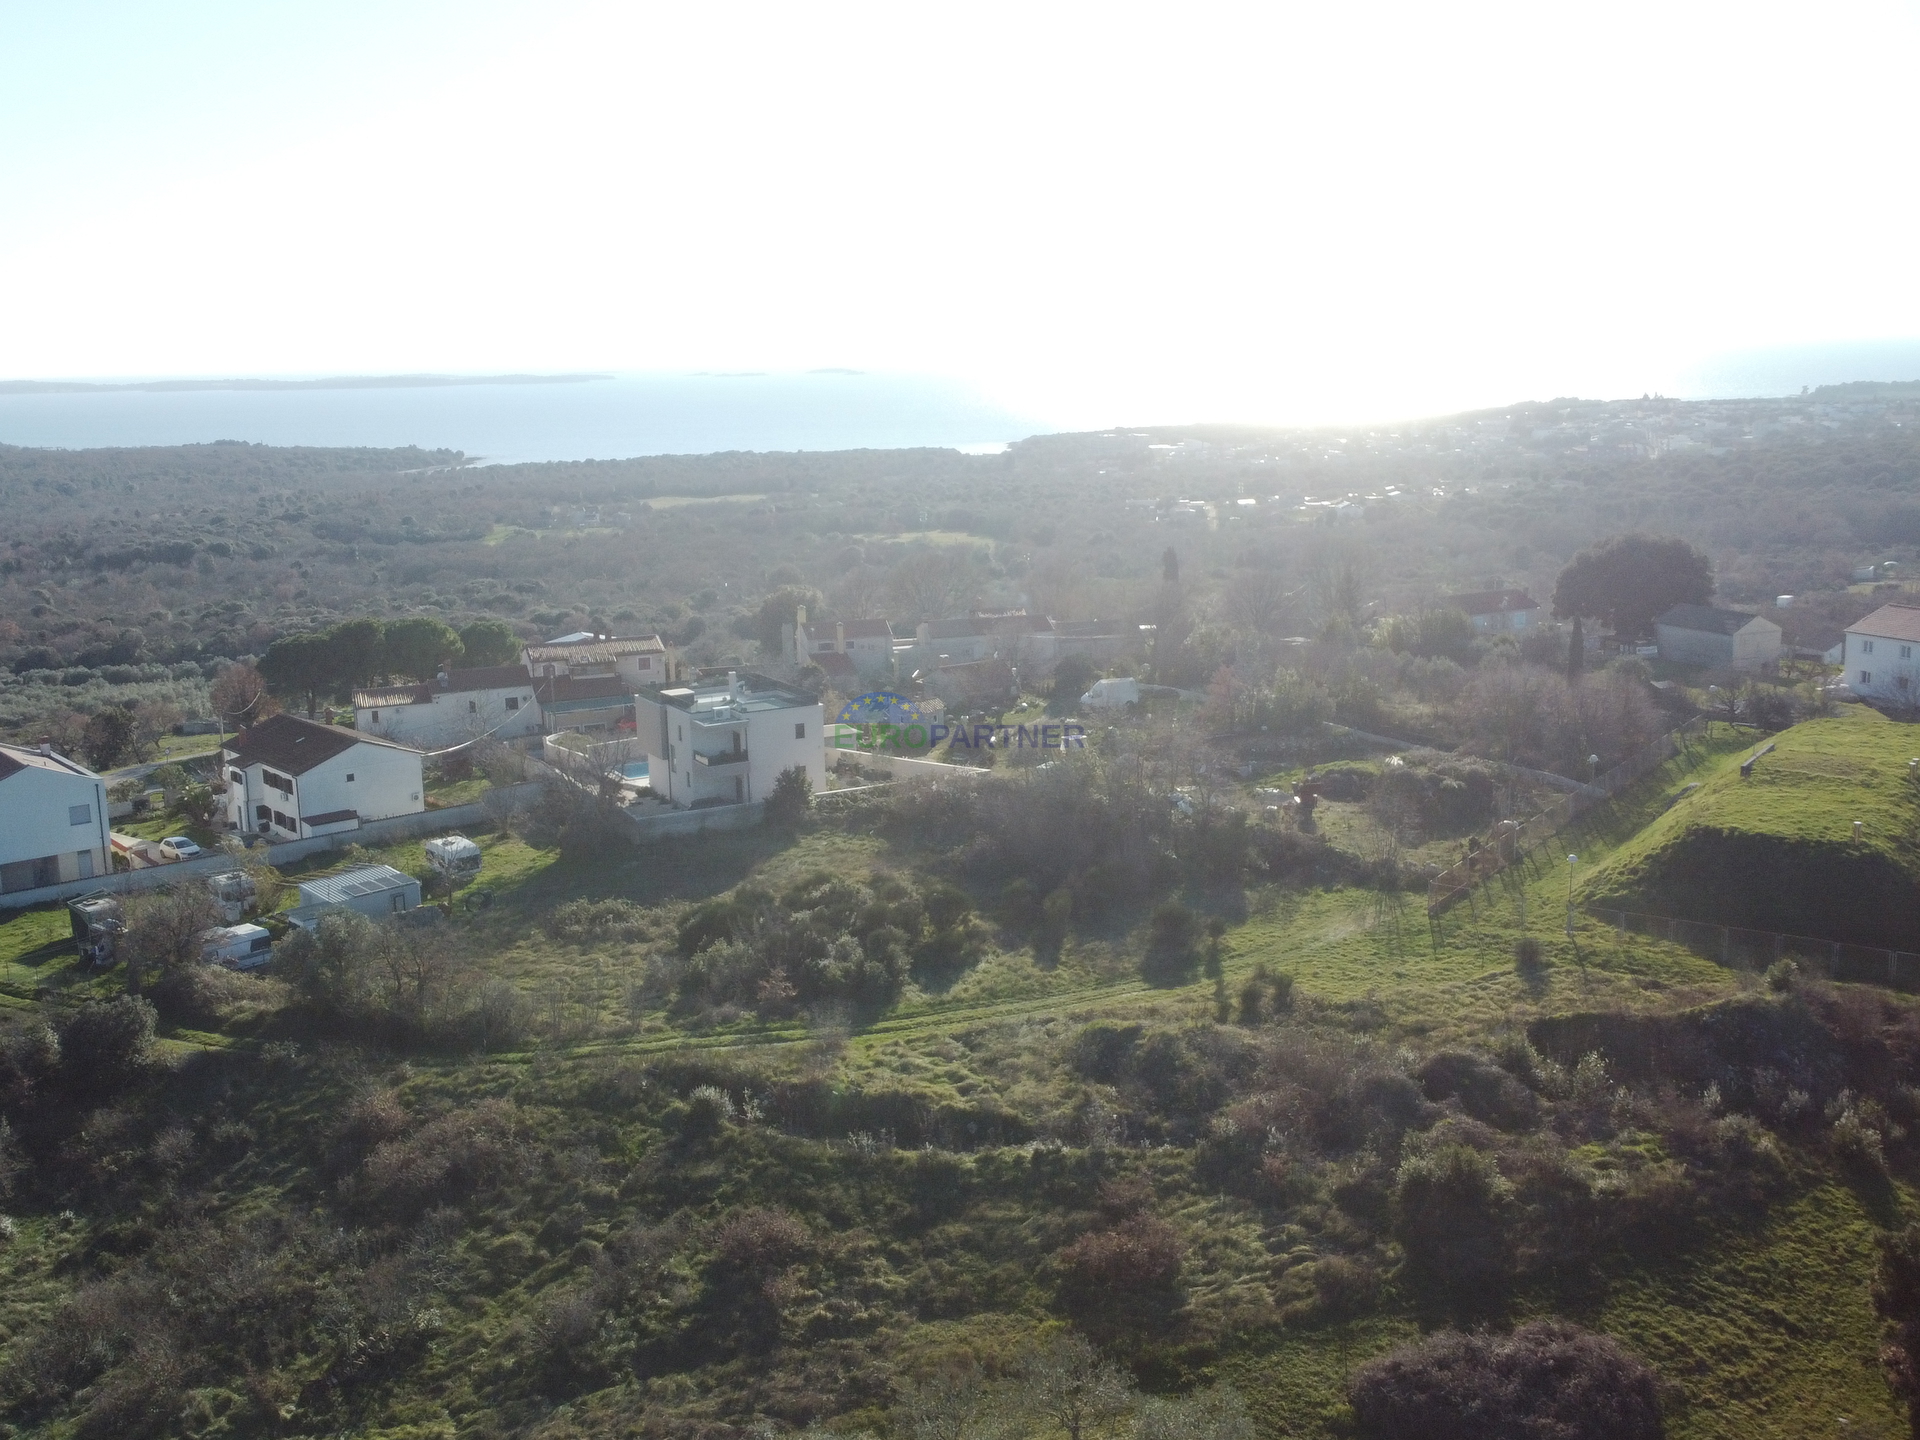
[1547,1378]
[1528,957]
[105,1043]
[446,1161]
[593,922]
[1450,1207]
[792,797]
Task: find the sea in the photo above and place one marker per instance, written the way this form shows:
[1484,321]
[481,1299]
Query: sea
[506,422]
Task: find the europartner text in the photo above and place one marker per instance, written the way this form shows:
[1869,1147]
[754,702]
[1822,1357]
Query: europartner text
[885,734]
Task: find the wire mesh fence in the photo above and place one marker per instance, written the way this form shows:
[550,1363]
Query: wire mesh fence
[1512,840]
[1755,950]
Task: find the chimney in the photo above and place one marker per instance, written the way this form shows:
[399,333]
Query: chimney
[733,683]
[443,674]
[923,632]
[840,636]
[46,745]
[800,616]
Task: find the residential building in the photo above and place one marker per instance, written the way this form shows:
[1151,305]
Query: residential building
[1879,661]
[1805,636]
[53,820]
[867,644]
[495,701]
[1496,612]
[290,779]
[640,660]
[725,740]
[1718,639]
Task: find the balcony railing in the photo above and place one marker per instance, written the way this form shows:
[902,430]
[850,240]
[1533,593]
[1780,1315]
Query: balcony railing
[720,758]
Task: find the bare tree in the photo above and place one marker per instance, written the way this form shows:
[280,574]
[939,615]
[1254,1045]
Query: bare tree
[166,929]
[1337,574]
[1256,600]
[1065,1381]
[934,583]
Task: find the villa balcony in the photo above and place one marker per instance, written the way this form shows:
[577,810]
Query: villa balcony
[720,759]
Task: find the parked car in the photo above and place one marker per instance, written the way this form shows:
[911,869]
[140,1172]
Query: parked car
[179,847]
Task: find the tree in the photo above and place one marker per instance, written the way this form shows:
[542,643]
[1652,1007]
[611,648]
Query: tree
[490,642]
[1066,1382]
[1256,600]
[1625,581]
[240,697]
[792,797]
[298,666]
[166,930]
[935,582]
[1449,1212]
[109,738]
[104,1042]
[419,645]
[151,720]
[778,610]
[1072,678]
[356,651]
[1576,651]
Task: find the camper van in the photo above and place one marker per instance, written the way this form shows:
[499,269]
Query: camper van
[454,856]
[234,895]
[97,927]
[238,947]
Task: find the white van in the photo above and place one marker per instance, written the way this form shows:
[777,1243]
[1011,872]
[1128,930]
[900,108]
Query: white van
[454,856]
[1115,694]
[238,947]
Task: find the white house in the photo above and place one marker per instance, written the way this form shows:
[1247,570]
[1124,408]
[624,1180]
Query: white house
[725,741]
[1496,612]
[867,644]
[1725,639]
[640,660]
[1879,657]
[496,701]
[53,820]
[289,779]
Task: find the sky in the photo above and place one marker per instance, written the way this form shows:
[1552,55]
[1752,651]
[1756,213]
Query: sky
[1275,213]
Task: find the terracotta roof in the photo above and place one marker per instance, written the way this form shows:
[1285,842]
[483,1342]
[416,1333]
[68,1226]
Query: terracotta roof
[834,663]
[1708,619]
[13,760]
[1490,602]
[286,742]
[868,630]
[1890,622]
[597,651]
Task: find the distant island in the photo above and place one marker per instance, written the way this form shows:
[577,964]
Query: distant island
[335,382]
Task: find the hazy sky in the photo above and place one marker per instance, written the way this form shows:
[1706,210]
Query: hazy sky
[1097,212]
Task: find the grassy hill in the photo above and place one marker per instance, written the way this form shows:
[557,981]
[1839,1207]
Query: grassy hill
[639,1218]
[1776,850]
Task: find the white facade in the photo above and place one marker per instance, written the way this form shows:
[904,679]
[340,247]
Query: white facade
[53,820]
[274,790]
[726,743]
[498,703]
[1881,659]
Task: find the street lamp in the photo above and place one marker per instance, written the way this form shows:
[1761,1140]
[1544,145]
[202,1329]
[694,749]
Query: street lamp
[1572,860]
[1593,767]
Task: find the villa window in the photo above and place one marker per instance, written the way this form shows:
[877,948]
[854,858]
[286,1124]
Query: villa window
[1866,647]
[1866,677]
[800,732]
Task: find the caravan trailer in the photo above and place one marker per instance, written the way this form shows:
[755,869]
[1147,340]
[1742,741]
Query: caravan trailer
[234,894]
[97,927]
[454,856]
[238,947]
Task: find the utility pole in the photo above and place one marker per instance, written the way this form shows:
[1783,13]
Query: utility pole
[1572,860]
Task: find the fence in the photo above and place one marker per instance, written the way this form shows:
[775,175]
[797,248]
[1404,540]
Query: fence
[1511,840]
[1740,949]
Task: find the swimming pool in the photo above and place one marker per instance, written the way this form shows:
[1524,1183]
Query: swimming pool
[635,770]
